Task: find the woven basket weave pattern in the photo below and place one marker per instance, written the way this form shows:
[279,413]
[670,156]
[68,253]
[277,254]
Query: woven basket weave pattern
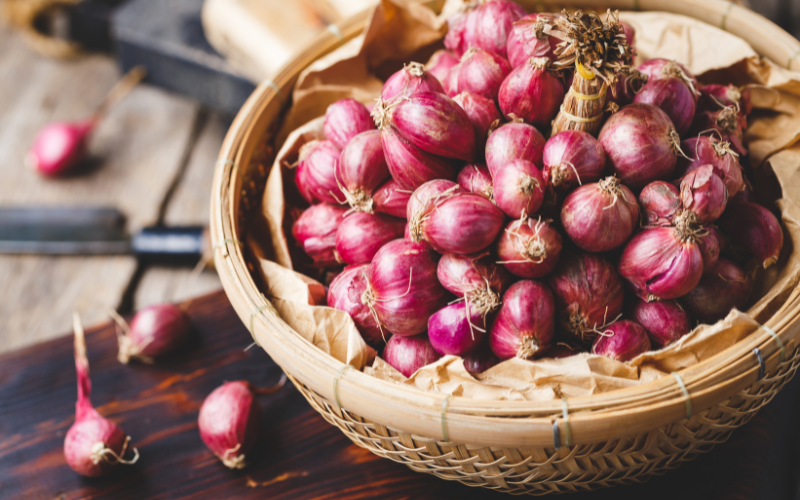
[540,471]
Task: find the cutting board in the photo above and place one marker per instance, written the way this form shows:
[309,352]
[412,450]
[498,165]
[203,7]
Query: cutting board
[299,455]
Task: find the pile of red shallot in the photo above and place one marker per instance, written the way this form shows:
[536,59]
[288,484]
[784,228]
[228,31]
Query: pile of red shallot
[464,230]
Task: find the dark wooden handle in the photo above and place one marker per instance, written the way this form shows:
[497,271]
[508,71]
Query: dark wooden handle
[178,244]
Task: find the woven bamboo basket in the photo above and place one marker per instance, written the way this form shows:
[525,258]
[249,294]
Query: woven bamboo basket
[519,447]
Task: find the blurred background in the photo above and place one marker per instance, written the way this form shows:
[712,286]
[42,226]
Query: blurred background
[148,159]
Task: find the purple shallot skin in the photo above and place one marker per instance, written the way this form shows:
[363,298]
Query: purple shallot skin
[572,158]
[456,329]
[665,320]
[622,341]
[409,354]
[525,323]
[514,141]
[345,119]
[361,235]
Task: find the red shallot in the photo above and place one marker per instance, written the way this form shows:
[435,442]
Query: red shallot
[724,287]
[315,230]
[345,293]
[461,31]
[755,229]
[481,72]
[727,122]
[411,79]
[659,201]
[714,97]
[409,165]
[571,158]
[664,320]
[514,141]
[482,113]
[708,150]
[658,68]
[527,39]
[154,331]
[476,179]
[525,323]
[465,223]
[316,172]
[673,97]
[492,22]
[711,244]
[480,361]
[440,64]
[529,248]
[391,199]
[532,92]
[424,199]
[59,146]
[360,236]
[518,188]
[474,277]
[704,193]
[345,119]
[93,444]
[629,83]
[622,341]
[600,216]
[641,145]
[409,354]
[361,169]
[456,329]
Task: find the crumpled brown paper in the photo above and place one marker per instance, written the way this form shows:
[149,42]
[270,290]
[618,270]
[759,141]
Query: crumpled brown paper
[401,31]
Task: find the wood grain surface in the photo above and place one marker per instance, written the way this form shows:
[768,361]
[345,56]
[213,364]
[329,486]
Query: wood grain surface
[299,455]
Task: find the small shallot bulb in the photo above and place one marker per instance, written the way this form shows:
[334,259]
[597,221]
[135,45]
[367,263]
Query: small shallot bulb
[476,179]
[708,150]
[629,83]
[361,169]
[714,97]
[345,119]
[529,248]
[361,235]
[673,97]
[665,320]
[658,68]
[403,290]
[58,147]
[728,123]
[588,293]
[316,172]
[622,341]
[724,287]
[481,72]
[518,188]
[641,145]
[344,294]
[93,445]
[391,199]
[456,329]
[532,92]
[483,114]
[600,216]
[572,158]
[711,244]
[704,193]
[477,278]
[514,141]
[465,223]
[663,262]
[755,229]
[409,354]
[410,166]
[527,39]
[440,64]
[480,360]
[659,201]
[492,22]
[525,323]
[423,200]
[155,331]
[315,230]
[411,79]
[229,421]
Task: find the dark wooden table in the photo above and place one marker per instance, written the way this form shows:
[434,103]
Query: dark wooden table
[299,455]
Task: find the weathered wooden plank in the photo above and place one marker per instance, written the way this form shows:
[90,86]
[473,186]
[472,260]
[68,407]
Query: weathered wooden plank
[137,152]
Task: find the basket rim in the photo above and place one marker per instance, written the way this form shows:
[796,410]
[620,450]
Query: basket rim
[596,417]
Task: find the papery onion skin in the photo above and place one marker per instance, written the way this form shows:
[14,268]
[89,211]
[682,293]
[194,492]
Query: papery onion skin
[571,158]
[630,34]
[711,245]
[482,113]
[525,323]
[659,201]
[434,123]
[532,92]
[344,294]
[493,21]
[482,72]
[665,320]
[600,216]
[466,275]
[409,354]
[588,292]
[424,199]
[640,143]
[728,123]
[658,68]
[360,236]
[526,39]
[622,341]
[315,176]
[411,79]
[529,248]
[440,64]
[704,193]
[315,230]
[714,97]
[673,97]
[464,224]
[461,31]
[345,119]
[708,150]
[476,179]
[410,166]
[229,422]
[755,229]
[480,360]
[451,331]
[391,199]
[661,263]
[361,169]
[514,141]
[154,331]
[629,83]
[403,288]
[724,287]
[518,188]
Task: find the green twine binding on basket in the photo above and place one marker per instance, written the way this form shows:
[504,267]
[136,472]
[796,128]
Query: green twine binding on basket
[336,31]
[336,385]
[445,403]
[219,244]
[792,58]
[777,341]
[725,16]
[274,86]
[685,393]
[567,427]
